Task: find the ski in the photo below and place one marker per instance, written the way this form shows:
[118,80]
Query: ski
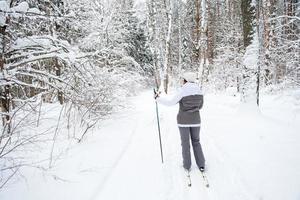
[205,179]
[189,179]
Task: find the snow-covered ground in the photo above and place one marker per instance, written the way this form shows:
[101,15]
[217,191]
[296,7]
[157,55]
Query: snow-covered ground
[251,154]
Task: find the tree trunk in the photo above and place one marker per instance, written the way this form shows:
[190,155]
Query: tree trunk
[58,73]
[5,90]
[259,25]
[197,31]
[153,42]
[167,51]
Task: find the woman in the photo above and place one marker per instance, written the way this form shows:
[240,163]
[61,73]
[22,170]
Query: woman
[190,99]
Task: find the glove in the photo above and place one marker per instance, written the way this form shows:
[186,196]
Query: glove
[156,94]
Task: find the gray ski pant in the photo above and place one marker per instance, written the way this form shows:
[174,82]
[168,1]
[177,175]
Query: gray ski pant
[194,133]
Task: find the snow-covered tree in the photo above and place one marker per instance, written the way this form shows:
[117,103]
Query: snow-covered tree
[76,53]
[228,47]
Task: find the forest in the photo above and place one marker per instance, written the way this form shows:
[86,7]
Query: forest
[85,58]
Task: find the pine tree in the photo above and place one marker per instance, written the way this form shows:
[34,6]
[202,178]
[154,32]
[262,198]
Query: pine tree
[248,17]
[137,41]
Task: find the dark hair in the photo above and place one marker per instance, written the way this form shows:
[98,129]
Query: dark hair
[185,81]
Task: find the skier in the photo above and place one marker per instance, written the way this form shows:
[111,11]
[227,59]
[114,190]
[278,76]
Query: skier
[190,99]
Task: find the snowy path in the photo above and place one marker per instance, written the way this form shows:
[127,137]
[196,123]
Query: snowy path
[244,150]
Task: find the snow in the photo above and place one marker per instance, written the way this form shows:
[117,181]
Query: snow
[252,53]
[3,7]
[251,154]
[21,7]
[31,41]
[34,10]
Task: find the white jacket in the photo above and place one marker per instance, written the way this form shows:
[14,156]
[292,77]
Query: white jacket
[186,118]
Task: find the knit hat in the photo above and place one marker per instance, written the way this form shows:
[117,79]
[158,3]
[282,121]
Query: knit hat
[190,77]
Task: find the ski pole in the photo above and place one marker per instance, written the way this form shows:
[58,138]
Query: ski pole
[158,126]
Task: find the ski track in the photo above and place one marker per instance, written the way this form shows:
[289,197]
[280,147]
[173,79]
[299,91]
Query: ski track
[114,165]
[230,174]
[122,157]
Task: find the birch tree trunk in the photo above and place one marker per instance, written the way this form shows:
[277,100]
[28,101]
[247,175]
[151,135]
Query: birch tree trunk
[153,42]
[197,31]
[258,27]
[203,42]
[179,44]
[167,47]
